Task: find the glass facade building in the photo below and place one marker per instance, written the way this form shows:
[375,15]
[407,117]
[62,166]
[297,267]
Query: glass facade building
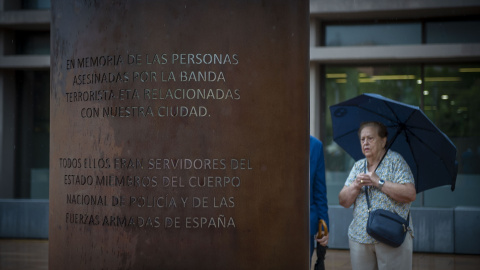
[424,54]
[25,97]
[448,93]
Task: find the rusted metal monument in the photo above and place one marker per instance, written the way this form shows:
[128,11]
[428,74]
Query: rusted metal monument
[179,135]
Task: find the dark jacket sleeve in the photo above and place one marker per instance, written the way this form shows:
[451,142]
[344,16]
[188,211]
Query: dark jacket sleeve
[318,187]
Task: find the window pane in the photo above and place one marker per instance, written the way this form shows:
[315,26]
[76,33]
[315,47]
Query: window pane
[33,42]
[400,83]
[35,4]
[453,32]
[373,34]
[452,98]
[33,142]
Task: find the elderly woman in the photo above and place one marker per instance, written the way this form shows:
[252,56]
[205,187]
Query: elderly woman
[391,187]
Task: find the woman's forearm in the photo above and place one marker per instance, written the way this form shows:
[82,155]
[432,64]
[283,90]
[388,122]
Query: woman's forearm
[402,193]
[348,195]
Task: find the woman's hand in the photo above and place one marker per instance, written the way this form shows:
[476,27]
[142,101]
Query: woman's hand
[348,194]
[364,179]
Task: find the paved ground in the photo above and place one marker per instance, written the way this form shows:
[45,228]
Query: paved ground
[33,255]
[340,260]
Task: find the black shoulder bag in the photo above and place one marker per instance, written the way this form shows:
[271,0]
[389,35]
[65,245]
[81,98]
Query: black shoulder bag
[385,226]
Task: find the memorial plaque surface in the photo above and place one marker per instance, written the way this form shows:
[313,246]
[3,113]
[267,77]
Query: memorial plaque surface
[179,135]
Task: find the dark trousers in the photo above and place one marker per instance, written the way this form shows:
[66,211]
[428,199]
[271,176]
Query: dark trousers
[320,263]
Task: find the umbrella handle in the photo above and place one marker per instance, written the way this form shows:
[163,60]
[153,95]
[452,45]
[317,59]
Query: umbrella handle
[322,229]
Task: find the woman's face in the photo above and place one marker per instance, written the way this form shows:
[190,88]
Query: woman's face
[372,144]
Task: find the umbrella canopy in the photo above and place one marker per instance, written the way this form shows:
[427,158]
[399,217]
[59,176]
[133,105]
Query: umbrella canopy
[428,151]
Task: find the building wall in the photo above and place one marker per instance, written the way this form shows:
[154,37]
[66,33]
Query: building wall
[322,11]
[368,9]
[14,20]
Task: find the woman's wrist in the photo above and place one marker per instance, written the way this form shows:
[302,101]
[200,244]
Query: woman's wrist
[381,183]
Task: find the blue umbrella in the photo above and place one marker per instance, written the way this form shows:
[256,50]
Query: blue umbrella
[428,151]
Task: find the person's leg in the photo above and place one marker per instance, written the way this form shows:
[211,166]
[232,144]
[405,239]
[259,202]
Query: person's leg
[396,258]
[362,256]
[312,248]
[320,263]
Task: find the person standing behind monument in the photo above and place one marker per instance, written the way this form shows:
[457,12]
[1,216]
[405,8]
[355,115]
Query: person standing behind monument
[391,186]
[318,200]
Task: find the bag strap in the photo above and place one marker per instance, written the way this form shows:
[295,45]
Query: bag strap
[368,201]
[366,188]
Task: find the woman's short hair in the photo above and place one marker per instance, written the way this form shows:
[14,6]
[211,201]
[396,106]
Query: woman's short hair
[381,128]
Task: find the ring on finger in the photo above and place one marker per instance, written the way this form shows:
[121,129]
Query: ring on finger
[361,181]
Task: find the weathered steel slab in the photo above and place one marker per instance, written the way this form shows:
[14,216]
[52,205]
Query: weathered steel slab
[179,135]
